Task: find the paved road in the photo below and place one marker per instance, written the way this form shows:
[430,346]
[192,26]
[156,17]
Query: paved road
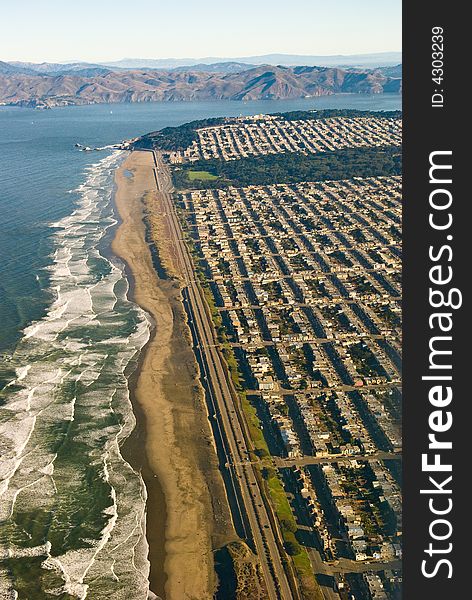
[262,532]
[347,565]
[317,460]
[334,388]
[311,340]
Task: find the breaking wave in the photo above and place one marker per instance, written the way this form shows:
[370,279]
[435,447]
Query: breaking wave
[72,510]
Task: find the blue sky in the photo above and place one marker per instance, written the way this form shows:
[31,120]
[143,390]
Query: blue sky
[63,30]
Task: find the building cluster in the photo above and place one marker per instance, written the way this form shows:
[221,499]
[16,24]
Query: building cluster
[307,492]
[270,134]
[333,425]
[363,530]
[365,498]
[376,587]
[306,278]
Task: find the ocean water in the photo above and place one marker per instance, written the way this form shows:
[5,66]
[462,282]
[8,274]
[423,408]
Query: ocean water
[72,510]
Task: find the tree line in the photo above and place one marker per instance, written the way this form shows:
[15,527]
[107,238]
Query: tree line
[293,167]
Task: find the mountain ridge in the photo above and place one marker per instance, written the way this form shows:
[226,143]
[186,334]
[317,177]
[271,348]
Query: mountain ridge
[99,85]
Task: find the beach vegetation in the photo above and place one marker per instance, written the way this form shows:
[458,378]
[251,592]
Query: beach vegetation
[288,525]
[267,472]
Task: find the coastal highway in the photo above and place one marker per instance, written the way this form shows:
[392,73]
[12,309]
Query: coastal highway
[264,531]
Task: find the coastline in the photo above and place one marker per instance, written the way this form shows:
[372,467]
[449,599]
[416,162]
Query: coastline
[179,465]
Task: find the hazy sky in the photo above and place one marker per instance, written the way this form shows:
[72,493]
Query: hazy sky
[99,30]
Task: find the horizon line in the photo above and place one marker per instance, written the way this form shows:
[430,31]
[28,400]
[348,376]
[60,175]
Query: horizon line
[201,58]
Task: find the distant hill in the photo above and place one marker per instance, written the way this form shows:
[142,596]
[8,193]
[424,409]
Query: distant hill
[12,69]
[395,71]
[373,60]
[85,69]
[91,69]
[87,72]
[220,67]
[49,68]
[97,85]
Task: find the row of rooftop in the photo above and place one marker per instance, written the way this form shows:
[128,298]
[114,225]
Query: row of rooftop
[307,280]
[275,135]
[363,530]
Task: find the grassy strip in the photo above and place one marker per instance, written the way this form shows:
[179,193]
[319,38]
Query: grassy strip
[200,175]
[254,425]
[309,586]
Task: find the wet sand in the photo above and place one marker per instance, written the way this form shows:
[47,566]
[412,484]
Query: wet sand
[177,441]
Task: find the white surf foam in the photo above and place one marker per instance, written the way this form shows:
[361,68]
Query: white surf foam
[70,373]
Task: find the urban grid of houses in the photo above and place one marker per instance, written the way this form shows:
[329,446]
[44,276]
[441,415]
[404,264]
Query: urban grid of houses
[307,281]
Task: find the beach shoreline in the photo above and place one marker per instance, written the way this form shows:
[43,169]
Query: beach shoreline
[172,440]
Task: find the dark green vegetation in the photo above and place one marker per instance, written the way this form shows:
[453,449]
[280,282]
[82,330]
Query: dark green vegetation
[176,138]
[293,167]
[331,113]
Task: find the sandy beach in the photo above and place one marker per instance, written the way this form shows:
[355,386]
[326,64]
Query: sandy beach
[177,438]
